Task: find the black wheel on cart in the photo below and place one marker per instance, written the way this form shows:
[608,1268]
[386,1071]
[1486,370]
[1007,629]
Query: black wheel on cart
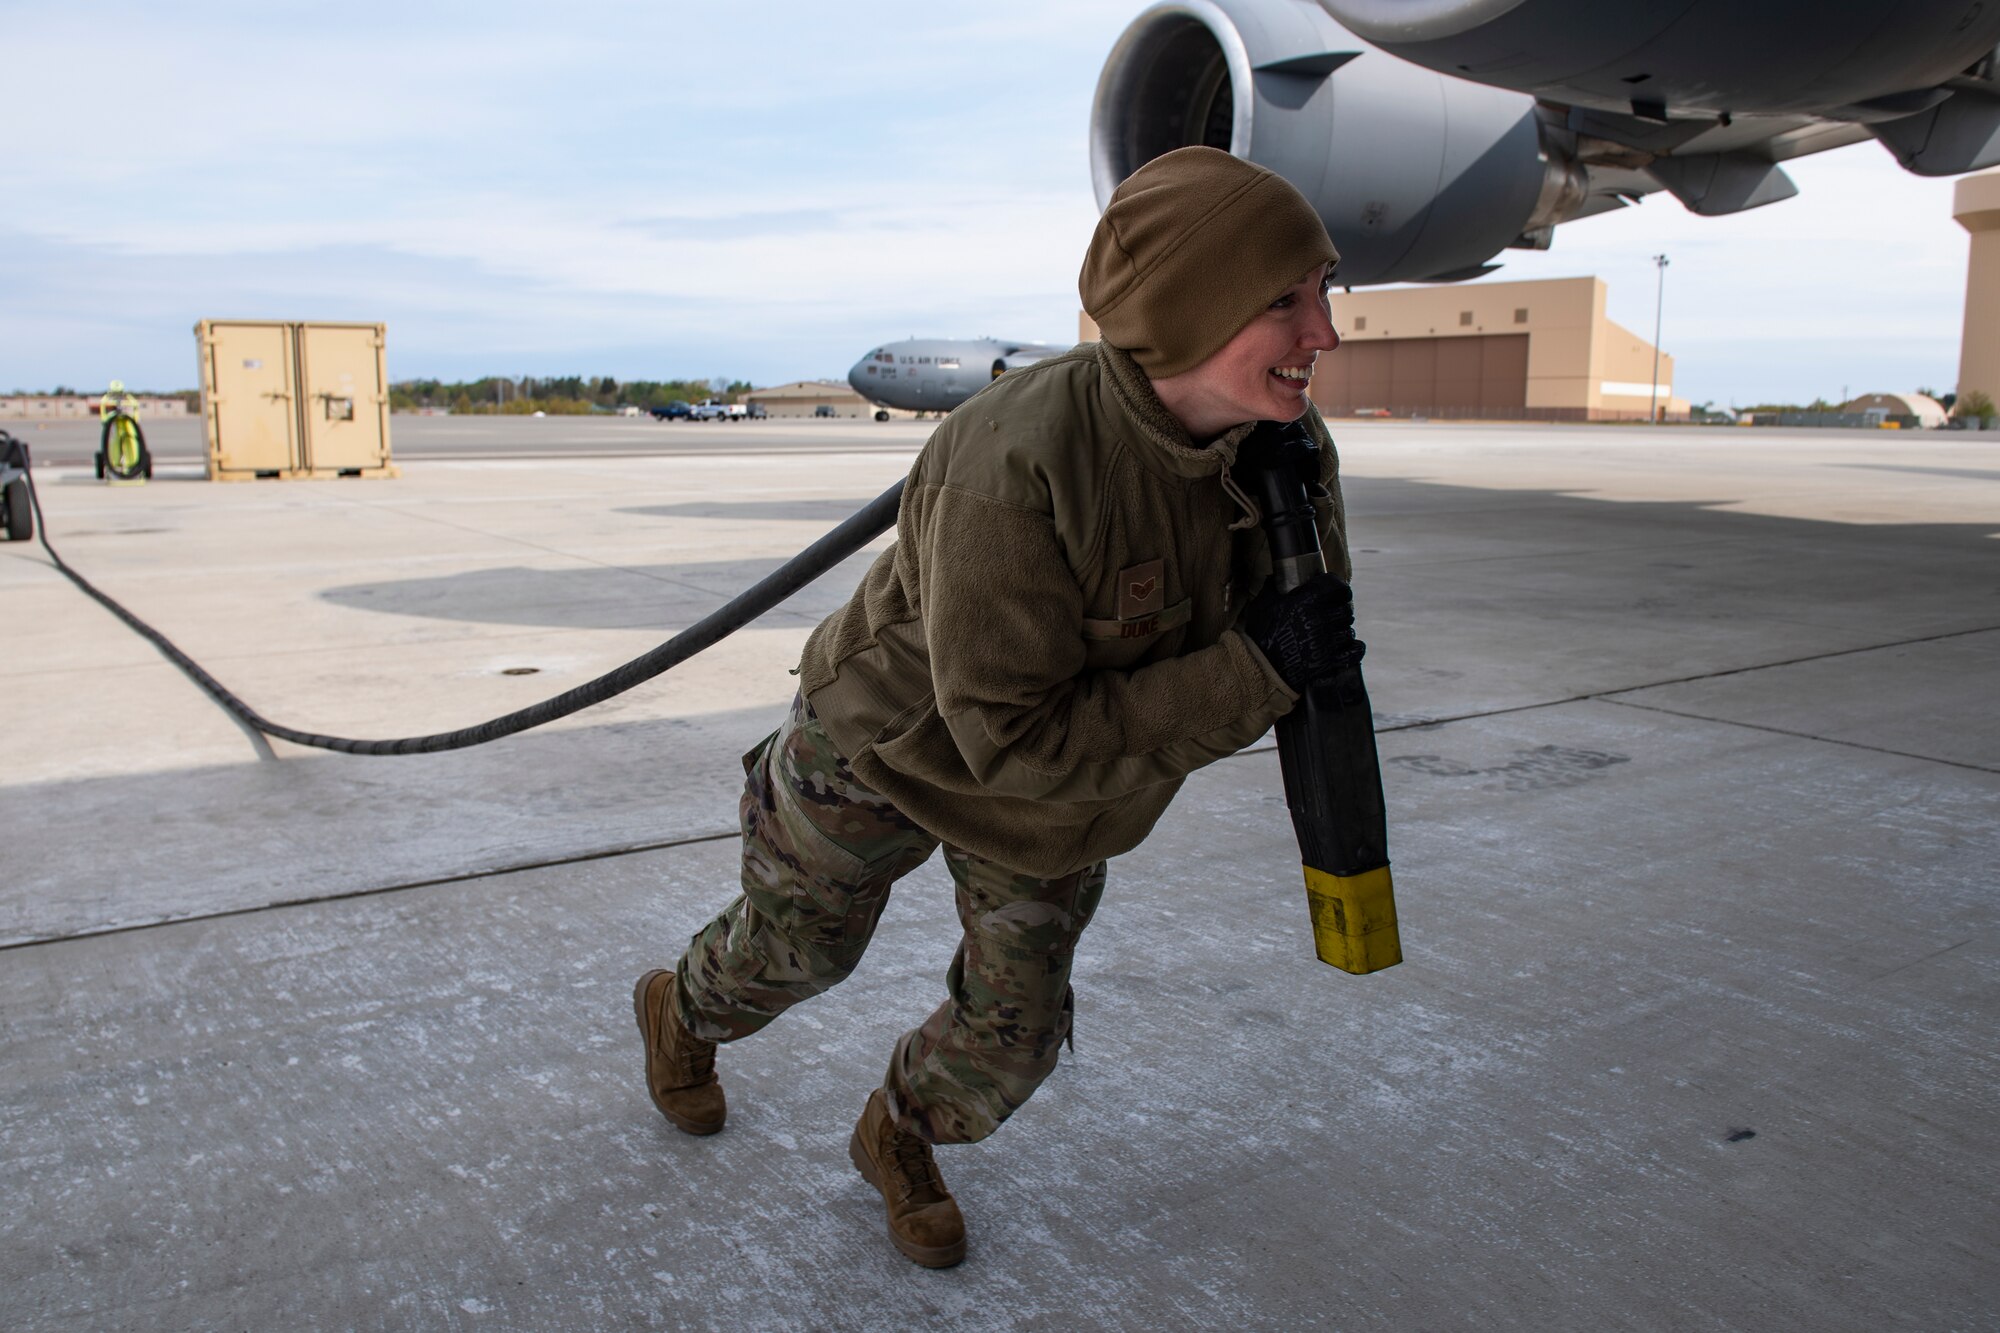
[20,513]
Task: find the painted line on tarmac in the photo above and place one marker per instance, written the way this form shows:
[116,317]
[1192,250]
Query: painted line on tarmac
[1806,735]
[745,451]
[1605,696]
[1611,697]
[546,454]
[492,872]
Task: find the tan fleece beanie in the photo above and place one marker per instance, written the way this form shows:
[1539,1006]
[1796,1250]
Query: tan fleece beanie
[1191,246]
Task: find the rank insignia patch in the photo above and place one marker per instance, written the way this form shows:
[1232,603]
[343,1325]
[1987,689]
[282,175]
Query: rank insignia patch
[1140,591]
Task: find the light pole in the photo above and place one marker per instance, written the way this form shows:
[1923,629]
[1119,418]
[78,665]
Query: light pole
[1659,300]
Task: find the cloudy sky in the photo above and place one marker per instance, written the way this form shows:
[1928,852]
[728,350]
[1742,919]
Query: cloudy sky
[757,191]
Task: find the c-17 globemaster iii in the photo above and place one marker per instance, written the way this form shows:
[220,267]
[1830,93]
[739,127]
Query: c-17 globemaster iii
[937,374]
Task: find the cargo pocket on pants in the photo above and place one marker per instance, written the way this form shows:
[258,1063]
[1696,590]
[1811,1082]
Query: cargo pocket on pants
[837,896]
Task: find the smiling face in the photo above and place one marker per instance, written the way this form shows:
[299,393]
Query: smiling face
[1261,373]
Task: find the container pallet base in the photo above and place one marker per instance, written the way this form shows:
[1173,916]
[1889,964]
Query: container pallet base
[383,473]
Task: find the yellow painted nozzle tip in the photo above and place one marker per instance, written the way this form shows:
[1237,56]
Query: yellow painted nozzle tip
[1354,919]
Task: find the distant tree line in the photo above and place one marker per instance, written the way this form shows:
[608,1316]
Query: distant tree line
[561,395]
[564,394]
[1944,400]
[1816,405]
[1974,406]
[192,397]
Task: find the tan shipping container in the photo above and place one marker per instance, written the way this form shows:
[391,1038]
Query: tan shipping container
[292,400]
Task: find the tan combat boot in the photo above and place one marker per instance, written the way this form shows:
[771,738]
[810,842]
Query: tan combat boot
[680,1067]
[924,1221]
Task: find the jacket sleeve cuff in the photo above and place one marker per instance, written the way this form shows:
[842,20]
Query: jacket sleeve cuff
[1275,682]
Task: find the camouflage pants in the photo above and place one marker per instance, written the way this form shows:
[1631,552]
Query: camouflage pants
[820,854]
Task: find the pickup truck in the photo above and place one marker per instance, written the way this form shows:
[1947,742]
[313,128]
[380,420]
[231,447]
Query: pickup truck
[673,411]
[714,411]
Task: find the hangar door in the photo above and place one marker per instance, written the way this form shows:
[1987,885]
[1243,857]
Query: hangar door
[1441,376]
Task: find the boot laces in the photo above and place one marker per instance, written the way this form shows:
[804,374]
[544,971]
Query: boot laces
[694,1059]
[915,1167]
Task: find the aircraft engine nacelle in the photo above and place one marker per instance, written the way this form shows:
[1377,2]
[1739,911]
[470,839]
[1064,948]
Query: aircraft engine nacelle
[1417,176]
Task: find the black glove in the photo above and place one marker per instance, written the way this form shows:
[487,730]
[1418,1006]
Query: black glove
[1308,633]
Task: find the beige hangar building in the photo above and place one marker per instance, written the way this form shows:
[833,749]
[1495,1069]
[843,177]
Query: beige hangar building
[1512,351]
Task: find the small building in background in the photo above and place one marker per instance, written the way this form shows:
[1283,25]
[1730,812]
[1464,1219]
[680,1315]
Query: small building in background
[805,398]
[49,407]
[1917,410]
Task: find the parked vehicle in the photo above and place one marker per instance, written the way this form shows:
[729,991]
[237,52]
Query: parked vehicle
[674,411]
[824,410]
[716,410]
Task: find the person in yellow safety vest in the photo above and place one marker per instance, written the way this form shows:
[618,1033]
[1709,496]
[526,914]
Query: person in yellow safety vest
[116,399]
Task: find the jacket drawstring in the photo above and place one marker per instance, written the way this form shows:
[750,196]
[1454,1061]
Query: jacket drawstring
[1252,515]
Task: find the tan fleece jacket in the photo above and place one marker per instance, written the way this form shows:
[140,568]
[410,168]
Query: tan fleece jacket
[1048,649]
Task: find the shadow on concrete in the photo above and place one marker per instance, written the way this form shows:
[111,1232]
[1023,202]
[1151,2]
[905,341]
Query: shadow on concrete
[662,597]
[1402,525]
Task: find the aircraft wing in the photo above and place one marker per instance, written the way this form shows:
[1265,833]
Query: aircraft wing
[1712,168]
[1710,97]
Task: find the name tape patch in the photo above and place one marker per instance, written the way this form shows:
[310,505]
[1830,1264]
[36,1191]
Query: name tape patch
[1140,627]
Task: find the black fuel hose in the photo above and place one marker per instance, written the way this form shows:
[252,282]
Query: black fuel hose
[874,518]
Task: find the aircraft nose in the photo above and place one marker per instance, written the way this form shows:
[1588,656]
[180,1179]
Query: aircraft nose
[858,377]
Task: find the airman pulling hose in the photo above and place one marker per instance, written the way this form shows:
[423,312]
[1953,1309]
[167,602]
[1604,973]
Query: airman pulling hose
[1326,744]
[876,517]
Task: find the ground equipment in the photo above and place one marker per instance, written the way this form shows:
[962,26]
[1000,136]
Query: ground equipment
[1326,744]
[17,511]
[294,399]
[121,453]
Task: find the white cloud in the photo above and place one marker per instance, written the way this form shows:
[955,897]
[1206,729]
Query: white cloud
[760,190]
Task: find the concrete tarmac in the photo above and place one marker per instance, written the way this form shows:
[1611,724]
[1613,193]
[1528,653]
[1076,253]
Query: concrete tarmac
[175,441]
[1693,767]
